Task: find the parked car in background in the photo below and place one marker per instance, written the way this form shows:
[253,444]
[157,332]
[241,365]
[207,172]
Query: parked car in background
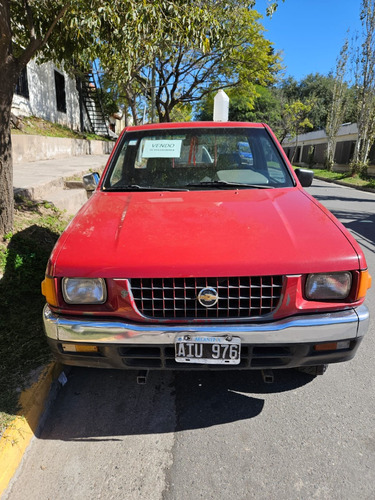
[245,154]
[200,249]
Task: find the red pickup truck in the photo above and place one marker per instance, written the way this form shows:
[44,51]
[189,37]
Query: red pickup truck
[189,256]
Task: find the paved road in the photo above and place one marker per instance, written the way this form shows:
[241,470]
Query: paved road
[216,436]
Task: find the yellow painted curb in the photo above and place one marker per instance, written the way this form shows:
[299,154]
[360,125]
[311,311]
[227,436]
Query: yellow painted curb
[17,436]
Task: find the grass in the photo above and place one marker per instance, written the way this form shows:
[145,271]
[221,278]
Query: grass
[32,125]
[346,178]
[23,259]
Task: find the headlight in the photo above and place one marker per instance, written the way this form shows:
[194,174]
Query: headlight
[328,286]
[84,290]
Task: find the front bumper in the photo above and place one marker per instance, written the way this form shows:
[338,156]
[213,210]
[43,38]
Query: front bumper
[285,343]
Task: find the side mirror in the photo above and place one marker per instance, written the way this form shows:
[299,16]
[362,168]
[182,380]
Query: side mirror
[304,176]
[91,181]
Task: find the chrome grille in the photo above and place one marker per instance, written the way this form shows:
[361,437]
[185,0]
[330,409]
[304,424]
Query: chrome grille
[176,298]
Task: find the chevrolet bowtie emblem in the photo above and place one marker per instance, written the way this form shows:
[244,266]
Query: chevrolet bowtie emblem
[208,297]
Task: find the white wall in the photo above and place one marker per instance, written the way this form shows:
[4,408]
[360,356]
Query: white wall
[42,97]
[347,132]
[27,148]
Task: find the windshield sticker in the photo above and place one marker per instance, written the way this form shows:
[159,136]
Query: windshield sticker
[133,142]
[162,148]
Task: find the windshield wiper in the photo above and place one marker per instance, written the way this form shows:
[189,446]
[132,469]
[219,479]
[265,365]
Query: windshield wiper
[136,187]
[225,184]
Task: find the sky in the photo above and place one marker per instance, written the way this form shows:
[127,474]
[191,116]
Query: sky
[310,33]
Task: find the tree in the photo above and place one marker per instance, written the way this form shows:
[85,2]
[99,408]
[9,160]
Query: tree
[13,59]
[183,68]
[337,109]
[53,29]
[365,87]
[318,88]
[296,116]
[314,86]
[267,108]
[129,49]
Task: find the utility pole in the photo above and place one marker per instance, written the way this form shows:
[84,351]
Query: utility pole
[153,93]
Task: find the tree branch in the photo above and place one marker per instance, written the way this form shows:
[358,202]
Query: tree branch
[30,20]
[57,19]
[36,44]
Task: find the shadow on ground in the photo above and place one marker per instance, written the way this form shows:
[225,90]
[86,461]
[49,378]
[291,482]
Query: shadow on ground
[346,207]
[22,342]
[102,405]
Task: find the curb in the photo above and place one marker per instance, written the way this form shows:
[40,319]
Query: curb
[344,184]
[34,402]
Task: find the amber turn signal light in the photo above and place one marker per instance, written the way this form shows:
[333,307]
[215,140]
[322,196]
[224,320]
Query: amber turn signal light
[332,346]
[79,348]
[49,291]
[364,284]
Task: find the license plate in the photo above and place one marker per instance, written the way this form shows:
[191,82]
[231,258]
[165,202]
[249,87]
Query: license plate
[208,350]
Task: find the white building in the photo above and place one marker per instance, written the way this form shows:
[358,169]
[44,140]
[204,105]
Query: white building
[49,93]
[312,147]
[46,91]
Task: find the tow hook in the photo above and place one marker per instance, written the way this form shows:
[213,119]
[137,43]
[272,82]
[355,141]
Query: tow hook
[267,376]
[142,377]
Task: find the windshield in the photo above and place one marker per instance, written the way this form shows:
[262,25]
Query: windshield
[190,159]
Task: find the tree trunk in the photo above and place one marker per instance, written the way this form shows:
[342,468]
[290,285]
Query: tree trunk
[6,164]
[295,150]
[10,69]
[132,104]
[330,154]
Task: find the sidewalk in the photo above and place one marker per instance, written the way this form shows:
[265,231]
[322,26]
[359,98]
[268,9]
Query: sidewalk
[44,180]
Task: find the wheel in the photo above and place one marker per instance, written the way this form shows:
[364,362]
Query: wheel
[313,370]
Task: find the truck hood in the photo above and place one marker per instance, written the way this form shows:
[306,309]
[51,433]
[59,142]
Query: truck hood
[203,233]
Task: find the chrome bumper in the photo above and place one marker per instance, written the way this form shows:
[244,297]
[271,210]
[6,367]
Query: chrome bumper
[312,328]
[286,343]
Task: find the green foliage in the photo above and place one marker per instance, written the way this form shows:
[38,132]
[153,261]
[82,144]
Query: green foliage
[219,45]
[3,259]
[296,114]
[82,30]
[266,108]
[271,9]
[314,86]
[359,168]
[182,113]
[32,125]
[320,89]
[23,259]
[336,109]
[365,87]
[248,104]
[353,180]
[205,107]
[296,119]
[190,44]
[109,104]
